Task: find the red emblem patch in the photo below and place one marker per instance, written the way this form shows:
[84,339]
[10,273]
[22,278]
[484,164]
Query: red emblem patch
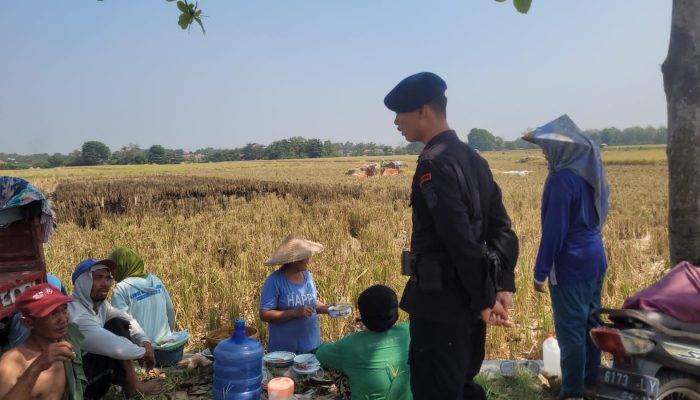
[424,178]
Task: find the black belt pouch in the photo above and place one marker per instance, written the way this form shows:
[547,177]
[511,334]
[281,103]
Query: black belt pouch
[429,272]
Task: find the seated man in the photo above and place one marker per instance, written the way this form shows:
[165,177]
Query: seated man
[48,364]
[375,360]
[113,339]
[18,333]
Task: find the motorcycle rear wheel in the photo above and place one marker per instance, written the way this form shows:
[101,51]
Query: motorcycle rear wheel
[678,387]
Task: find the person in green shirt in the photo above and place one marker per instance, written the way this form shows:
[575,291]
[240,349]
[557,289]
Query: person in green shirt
[376,359]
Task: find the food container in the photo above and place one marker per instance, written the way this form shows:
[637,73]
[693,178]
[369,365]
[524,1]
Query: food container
[279,359]
[280,389]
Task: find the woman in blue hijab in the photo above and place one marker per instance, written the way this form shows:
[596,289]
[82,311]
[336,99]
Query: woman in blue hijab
[571,254]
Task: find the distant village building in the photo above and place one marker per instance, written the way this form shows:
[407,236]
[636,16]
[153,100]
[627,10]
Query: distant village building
[194,157]
[374,152]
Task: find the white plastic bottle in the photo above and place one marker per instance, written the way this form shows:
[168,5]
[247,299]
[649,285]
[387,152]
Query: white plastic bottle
[550,356]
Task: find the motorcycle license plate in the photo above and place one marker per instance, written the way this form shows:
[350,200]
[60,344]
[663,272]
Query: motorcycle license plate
[615,384]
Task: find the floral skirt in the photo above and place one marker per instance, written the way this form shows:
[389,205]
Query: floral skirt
[340,381]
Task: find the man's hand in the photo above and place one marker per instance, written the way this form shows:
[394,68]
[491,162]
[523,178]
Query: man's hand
[539,287]
[56,352]
[149,357]
[496,315]
[506,299]
[304,311]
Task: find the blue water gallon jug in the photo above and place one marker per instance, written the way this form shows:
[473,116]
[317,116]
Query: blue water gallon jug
[237,367]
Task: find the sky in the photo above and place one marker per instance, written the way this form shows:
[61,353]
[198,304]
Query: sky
[122,71]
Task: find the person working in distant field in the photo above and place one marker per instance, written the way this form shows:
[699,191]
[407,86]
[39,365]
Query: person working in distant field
[571,255]
[289,299]
[141,295]
[113,338]
[459,221]
[375,361]
[48,365]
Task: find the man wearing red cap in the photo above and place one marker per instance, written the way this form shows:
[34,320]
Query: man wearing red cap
[48,365]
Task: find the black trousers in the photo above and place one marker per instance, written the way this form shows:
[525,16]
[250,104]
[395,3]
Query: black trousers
[445,357]
[102,371]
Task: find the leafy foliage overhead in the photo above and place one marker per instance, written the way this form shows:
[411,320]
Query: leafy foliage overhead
[189,13]
[523,6]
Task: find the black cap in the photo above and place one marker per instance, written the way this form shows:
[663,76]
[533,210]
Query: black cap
[414,91]
[379,308]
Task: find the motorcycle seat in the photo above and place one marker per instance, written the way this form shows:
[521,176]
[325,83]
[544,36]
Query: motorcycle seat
[671,322]
[626,318]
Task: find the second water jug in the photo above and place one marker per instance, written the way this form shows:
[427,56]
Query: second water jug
[237,367]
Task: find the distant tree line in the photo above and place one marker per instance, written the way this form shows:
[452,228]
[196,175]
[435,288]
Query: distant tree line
[483,140]
[97,153]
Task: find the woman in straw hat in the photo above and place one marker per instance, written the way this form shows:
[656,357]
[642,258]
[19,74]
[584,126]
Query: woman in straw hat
[289,300]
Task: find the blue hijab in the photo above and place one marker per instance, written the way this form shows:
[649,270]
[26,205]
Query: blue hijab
[567,147]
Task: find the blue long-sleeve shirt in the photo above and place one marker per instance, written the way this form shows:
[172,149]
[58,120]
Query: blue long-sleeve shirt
[571,248]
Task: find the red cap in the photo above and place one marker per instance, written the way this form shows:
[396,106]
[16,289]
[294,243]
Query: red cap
[40,300]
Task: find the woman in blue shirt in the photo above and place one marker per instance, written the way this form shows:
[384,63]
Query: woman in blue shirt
[289,299]
[571,254]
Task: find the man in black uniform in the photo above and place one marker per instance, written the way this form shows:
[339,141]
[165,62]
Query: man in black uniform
[461,231]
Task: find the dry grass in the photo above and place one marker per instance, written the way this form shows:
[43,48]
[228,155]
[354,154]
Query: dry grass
[209,247]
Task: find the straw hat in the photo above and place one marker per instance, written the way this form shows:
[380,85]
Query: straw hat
[292,249]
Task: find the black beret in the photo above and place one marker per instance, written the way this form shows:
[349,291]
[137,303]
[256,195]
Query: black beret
[414,91]
[379,308]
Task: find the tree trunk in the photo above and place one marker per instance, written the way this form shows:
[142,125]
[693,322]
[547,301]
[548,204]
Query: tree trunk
[681,72]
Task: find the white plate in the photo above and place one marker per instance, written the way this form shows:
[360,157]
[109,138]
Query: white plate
[309,360]
[279,358]
[339,310]
[312,369]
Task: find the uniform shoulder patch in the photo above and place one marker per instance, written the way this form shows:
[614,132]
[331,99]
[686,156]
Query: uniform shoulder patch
[425,178]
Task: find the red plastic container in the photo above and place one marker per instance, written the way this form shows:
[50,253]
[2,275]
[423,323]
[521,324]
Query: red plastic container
[21,254]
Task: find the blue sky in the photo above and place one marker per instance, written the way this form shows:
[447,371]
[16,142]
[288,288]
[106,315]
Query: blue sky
[122,71]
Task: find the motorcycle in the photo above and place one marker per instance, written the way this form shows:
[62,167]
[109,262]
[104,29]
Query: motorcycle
[656,357]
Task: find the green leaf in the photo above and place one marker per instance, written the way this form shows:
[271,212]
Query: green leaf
[184,21]
[198,14]
[522,6]
[182,6]
[169,1]
[201,25]
[500,1]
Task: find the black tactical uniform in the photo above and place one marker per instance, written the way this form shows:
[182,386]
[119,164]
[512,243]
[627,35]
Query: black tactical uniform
[457,207]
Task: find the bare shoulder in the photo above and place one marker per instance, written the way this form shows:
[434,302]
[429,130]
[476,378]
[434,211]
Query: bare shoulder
[12,358]
[12,365]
